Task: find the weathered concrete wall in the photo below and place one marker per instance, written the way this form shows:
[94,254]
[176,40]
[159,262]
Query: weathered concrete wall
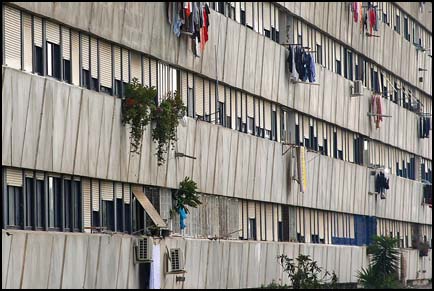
[41,260]
[97,146]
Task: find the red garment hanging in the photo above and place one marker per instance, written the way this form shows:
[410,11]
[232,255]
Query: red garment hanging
[188,9]
[372,19]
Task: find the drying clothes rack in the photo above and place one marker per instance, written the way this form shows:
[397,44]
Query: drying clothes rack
[370,114]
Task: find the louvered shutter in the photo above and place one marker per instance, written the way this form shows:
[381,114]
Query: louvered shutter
[12,31]
[28,174]
[198,87]
[260,24]
[37,31]
[207,97]
[250,107]
[85,51]
[127,194]
[66,43]
[52,31]
[40,176]
[276,15]
[87,209]
[339,133]
[118,191]
[258,112]
[244,107]
[94,57]
[306,127]
[251,209]
[75,62]
[136,66]
[221,93]
[269,221]
[154,73]
[95,195]
[14,177]
[105,51]
[117,62]
[249,14]
[233,105]
[146,72]
[27,42]
[107,191]
[267,115]
[267,12]
[125,65]
[238,101]
[320,133]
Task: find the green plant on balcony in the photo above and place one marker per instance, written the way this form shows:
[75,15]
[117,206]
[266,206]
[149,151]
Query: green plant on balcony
[185,196]
[135,111]
[139,109]
[165,118]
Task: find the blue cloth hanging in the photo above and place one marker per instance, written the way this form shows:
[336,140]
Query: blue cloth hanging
[182,218]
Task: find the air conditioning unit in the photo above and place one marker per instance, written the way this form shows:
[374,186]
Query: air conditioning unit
[143,250]
[357,88]
[175,262]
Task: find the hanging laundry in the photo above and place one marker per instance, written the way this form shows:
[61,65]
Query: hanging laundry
[311,68]
[424,127]
[182,218]
[355,10]
[377,109]
[372,19]
[381,184]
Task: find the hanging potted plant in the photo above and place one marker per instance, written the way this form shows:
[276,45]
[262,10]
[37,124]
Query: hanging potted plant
[185,196]
[165,119]
[423,249]
[136,111]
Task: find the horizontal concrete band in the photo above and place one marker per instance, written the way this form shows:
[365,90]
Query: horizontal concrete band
[58,260]
[244,57]
[54,127]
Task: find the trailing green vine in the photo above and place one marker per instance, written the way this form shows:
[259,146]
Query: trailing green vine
[166,117]
[139,109]
[135,111]
[185,196]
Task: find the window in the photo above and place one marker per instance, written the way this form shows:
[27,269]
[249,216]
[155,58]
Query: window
[72,205]
[85,79]
[119,215]
[221,7]
[53,60]
[273,125]
[40,203]
[108,215]
[243,17]
[350,65]
[67,71]
[54,203]
[15,207]
[138,216]
[39,61]
[338,67]
[30,202]
[190,102]
[221,113]
[319,54]
[406,31]
[250,125]
[397,24]
[252,229]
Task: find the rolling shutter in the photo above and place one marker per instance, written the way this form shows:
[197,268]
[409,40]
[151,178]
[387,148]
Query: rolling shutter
[95,195]
[269,221]
[198,87]
[146,72]
[14,177]
[94,57]
[306,127]
[221,93]
[87,205]
[107,191]
[52,31]
[118,191]
[75,62]
[276,15]
[251,210]
[154,73]
[258,112]
[244,107]
[29,174]
[37,31]
[66,43]
[125,65]
[12,31]
[117,62]
[250,107]
[320,133]
[136,66]
[127,194]
[238,102]
[267,12]
[207,97]
[105,51]
[267,115]
[40,176]
[27,42]
[249,13]
[339,133]
[85,51]
[233,104]
[213,100]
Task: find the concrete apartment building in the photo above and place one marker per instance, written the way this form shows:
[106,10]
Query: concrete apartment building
[68,173]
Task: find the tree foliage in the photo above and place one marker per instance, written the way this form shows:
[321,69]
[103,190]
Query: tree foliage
[186,195]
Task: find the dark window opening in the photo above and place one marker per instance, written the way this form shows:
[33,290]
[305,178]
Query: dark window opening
[119,215]
[252,229]
[39,61]
[338,67]
[397,24]
[15,207]
[106,90]
[243,17]
[250,125]
[108,214]
[267,33]
[30,202]
[53,60]
[118,88]
[318,54]
[85,79]
[273,125]
[67,71]
[54,203]
[221,113]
